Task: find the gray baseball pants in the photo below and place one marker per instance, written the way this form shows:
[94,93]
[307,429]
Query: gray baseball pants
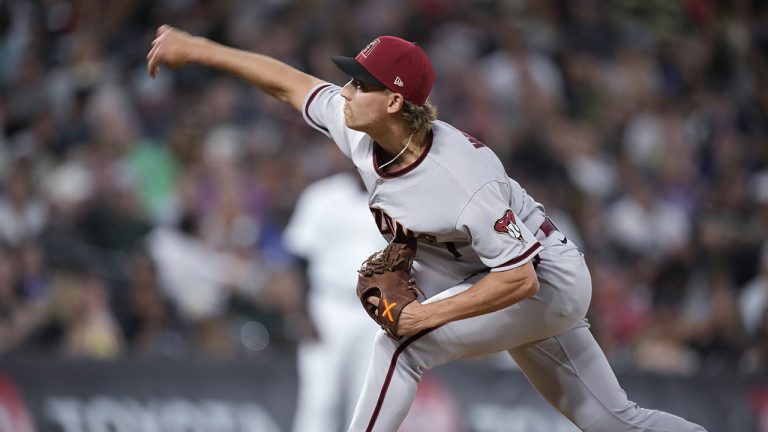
[547,335]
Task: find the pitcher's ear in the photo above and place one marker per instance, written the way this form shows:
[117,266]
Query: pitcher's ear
[395,102]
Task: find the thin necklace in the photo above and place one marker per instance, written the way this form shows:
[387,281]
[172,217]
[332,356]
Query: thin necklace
[401,152]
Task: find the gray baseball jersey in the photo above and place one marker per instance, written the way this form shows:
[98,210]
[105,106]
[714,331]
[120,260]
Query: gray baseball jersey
[466,213]
[470,218]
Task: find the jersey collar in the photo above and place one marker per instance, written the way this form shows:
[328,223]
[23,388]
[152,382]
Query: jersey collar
[406,169]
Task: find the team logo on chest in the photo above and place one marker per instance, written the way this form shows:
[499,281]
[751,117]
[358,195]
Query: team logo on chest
[390,226]
[508,225]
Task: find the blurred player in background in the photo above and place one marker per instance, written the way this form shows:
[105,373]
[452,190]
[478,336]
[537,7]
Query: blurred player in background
[332,230]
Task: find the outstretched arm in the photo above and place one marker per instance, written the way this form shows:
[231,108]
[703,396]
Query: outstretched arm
[175,48]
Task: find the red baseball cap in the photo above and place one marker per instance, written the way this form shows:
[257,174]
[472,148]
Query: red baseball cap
[394,63]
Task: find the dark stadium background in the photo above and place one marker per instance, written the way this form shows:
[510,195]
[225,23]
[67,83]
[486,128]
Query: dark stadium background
[640,124]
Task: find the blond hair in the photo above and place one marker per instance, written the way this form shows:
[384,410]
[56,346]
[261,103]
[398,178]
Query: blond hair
[419,118]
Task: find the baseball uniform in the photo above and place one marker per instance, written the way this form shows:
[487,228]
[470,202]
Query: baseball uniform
[469,219]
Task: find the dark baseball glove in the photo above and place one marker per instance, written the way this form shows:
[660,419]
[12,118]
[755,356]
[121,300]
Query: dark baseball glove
[386,275]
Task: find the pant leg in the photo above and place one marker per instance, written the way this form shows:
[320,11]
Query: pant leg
[358,351]
[317,407]
[396,367]
[323,365]
[571,372]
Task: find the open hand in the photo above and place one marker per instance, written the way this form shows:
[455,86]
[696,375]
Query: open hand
[171,47]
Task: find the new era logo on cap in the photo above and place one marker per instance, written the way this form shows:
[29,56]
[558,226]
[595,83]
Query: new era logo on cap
[394,63]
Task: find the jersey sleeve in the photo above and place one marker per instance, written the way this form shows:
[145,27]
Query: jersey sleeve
[323,109]
[499,237]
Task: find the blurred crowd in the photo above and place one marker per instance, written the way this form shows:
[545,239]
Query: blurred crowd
[144,217]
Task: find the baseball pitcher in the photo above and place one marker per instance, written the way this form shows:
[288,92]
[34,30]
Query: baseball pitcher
[446,205]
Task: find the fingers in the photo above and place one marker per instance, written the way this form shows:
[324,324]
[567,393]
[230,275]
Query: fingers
[151,62]
[163,29]
[153,59]
[152,51]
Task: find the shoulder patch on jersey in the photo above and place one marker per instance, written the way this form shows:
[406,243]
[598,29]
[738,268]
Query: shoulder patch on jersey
[508,225]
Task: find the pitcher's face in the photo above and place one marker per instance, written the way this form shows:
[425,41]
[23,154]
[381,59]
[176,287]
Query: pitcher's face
[365,105]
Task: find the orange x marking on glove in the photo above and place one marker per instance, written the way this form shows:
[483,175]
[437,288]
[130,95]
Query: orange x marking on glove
[388,310]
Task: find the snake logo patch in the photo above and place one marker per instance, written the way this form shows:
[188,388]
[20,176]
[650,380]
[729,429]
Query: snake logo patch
[508,225]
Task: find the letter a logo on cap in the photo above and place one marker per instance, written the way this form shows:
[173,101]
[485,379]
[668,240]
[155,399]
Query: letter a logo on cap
[398,82]
[369,49]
